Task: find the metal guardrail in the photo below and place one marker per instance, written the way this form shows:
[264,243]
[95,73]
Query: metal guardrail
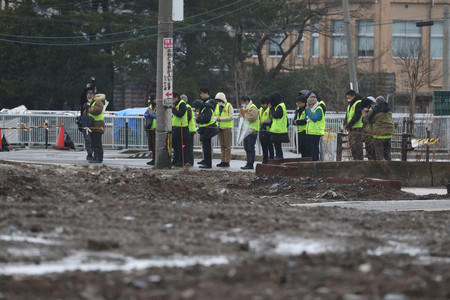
[119,135]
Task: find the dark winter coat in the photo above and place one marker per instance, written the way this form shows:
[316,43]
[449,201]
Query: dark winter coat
[204,117]
[381,120]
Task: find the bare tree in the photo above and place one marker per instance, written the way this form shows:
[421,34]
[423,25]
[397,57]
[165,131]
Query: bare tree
[417,71]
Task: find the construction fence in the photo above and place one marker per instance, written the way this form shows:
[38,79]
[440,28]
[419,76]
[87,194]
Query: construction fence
[34,128]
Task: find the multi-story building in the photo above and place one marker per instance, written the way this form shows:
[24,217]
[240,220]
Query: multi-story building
[384,31]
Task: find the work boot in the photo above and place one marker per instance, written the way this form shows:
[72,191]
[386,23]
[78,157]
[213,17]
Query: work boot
[223,165]
[151,163]
[202,162]
[247,167]
[205,167]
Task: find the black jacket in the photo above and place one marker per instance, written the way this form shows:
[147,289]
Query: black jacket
[358,112]
[298,112]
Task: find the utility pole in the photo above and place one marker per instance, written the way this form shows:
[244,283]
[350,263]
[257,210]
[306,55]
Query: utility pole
[164,84]
[350,53]
[446,54]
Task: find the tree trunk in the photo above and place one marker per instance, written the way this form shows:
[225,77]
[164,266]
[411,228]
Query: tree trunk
[412,111]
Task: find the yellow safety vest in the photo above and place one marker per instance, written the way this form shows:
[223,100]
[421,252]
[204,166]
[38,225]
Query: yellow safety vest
[351,113]
[226,112]
[192,128]
[153,127]
[177,121]
[302,116]
[99,117]
[264,115]
[211,122]
[255,124]
[279,125]
[316,128]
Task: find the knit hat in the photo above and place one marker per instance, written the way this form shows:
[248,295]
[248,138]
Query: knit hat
[221,97]
[380,99]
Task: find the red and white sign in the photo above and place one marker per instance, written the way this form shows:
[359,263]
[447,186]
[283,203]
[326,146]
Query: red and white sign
[167,71]
[168,43]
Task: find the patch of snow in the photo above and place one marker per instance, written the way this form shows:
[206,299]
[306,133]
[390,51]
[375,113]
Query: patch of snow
[425,191]
[108,262]
[298,246]
[394,247]
[27,239]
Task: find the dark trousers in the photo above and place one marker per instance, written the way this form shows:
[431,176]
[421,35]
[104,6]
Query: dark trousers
[355,140]
[249,147]
[97,147]
[151,142]
[382,149]
[207,151]
[369,144]
[278,150]
[266,145]
[87,143]
[180,139]
[302,144]
[313,145]
[190,149]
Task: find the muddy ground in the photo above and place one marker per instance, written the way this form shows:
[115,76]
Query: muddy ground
[177,234]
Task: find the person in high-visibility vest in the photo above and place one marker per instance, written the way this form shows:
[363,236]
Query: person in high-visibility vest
[278,128]
[207,129]
[205,96]
[180,132]
[353,124]
[265,120]
[315,126]
[97,112]
[382,128]
[224,119]
[300,122]
[150,128]
[192,131]
[85,105]
[250,113]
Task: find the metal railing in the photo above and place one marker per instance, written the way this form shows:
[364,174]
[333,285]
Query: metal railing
[128,132]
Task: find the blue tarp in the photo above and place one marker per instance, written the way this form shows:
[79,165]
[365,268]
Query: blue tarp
[132,123]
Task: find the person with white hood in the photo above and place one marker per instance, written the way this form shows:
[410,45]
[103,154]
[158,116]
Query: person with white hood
[250,113]
[315,127]
[224,119]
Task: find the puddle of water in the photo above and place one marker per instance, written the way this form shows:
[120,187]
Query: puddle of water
[394,247]
[28,239]
[107,262]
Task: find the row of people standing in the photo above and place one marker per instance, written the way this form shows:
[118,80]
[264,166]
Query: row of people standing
[214,116]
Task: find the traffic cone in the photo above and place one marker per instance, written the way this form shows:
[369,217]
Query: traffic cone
[60,141]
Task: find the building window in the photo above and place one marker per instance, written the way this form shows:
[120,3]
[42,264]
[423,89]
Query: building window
[365,38]
[274,48]
[300,47]
[339,42]
[315,40]
[437,38]
[406,37]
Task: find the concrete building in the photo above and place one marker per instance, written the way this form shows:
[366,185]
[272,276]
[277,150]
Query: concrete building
[384,31]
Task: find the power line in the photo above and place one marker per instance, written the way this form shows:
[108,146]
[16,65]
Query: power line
[99,43]
[133,31]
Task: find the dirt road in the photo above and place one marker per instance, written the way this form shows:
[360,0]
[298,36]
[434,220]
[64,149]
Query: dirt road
[102,233]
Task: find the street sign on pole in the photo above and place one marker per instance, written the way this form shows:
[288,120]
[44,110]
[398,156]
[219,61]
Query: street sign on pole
[167,71]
